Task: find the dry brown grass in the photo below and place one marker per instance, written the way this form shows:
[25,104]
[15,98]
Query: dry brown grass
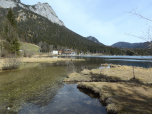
[126,73]
[123,73]
[126,95]
[105,65]
[10,63]
[77,77]
[49,60]
[123,97]
[85,72]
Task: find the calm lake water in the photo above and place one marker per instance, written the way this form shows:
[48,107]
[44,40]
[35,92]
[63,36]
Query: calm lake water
[96,61]
[38,88]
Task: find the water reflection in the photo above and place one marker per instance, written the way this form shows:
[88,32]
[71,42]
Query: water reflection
[69,100]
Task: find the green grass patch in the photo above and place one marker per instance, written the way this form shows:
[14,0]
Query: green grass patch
[29,47]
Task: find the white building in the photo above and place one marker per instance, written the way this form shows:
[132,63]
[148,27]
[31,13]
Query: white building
[73,54]
[55,52]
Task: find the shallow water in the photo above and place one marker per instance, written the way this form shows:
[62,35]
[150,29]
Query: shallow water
[68,100]
[17,87]
[38,88]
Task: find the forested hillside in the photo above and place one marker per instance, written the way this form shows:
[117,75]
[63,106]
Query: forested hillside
[34,28]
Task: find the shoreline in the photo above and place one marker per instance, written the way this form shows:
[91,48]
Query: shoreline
[47,60]
[38,60]
[117,87]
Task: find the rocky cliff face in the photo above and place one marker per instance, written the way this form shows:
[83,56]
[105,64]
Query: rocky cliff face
[8,3]
[43,9]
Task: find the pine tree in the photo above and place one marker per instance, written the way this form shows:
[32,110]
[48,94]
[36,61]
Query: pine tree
[11,43]
[11,18]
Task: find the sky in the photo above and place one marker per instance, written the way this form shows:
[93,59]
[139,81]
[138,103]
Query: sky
[107,20]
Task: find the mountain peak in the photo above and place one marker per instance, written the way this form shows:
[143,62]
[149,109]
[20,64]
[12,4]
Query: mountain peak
[43,9]
[93,39]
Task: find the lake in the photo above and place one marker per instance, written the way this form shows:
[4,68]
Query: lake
[38,88]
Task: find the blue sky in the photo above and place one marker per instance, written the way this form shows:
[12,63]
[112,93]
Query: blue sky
[106,20]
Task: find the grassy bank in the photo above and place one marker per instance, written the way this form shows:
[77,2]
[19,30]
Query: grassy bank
[118,88]
[116,73]
[122,98]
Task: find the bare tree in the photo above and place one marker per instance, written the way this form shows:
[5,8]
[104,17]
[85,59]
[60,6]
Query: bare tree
[1,44]
[58,47]
[50,48]
[44,46]
[147,35]
[2,24]
[40,44]
[11,62]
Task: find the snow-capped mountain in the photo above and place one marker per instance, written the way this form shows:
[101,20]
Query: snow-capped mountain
[43,9]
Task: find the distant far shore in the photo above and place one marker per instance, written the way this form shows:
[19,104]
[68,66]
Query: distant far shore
[7,61]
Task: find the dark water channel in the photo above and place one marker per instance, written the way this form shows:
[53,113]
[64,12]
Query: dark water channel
[38,88]
[68,100]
